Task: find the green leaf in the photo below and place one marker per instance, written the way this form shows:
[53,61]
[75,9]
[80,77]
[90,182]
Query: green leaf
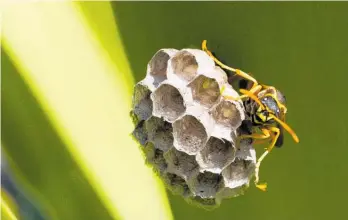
[9,210]
[66,95]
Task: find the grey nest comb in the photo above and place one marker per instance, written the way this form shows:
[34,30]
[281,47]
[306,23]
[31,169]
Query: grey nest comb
[188,129]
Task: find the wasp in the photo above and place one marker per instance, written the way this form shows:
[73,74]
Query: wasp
[265,107]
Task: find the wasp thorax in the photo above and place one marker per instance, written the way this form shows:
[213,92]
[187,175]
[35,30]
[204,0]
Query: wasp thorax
[188,129]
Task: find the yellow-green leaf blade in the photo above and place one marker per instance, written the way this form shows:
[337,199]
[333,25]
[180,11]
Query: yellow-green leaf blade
[82,93]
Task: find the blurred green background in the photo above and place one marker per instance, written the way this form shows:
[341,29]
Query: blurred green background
[299,47]
[302,49]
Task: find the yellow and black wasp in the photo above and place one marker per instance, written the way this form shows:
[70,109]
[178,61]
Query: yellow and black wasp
[265,107]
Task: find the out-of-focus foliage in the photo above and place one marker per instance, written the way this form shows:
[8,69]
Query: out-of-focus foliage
[9,209]
[66,94]
[15,203]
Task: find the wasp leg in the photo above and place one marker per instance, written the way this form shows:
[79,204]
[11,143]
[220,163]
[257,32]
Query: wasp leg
[246,94]
[260,141]
[231,97]
[234,98]
[257,168]
[256,89]
[265,135]
[237,71]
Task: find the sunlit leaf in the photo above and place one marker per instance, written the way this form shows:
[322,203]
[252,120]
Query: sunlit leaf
[9,211]
[65,123]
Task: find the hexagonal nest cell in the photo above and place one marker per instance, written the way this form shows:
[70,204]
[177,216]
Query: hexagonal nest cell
[245,129]
[205,91]
[206,184]
[155,158]
[157,66]
[168,102]
[216,155]
[142,103]
[160,133]
[227,114]
[181,164]
[185,65]
[238,173]
[189,135]
[176,184]
[187,130]
[140,133]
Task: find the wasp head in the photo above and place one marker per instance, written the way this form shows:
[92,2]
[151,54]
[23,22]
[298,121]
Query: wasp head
[273,103]
[272,109]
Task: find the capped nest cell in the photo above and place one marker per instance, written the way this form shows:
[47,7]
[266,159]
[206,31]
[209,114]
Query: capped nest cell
[188,130]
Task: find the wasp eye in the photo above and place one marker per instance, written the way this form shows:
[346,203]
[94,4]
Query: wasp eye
[265,99]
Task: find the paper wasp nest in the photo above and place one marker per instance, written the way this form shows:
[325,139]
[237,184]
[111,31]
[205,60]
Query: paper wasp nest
[188,129]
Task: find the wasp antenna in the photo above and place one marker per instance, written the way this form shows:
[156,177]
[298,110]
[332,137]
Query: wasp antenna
[204,48]
[287,128]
